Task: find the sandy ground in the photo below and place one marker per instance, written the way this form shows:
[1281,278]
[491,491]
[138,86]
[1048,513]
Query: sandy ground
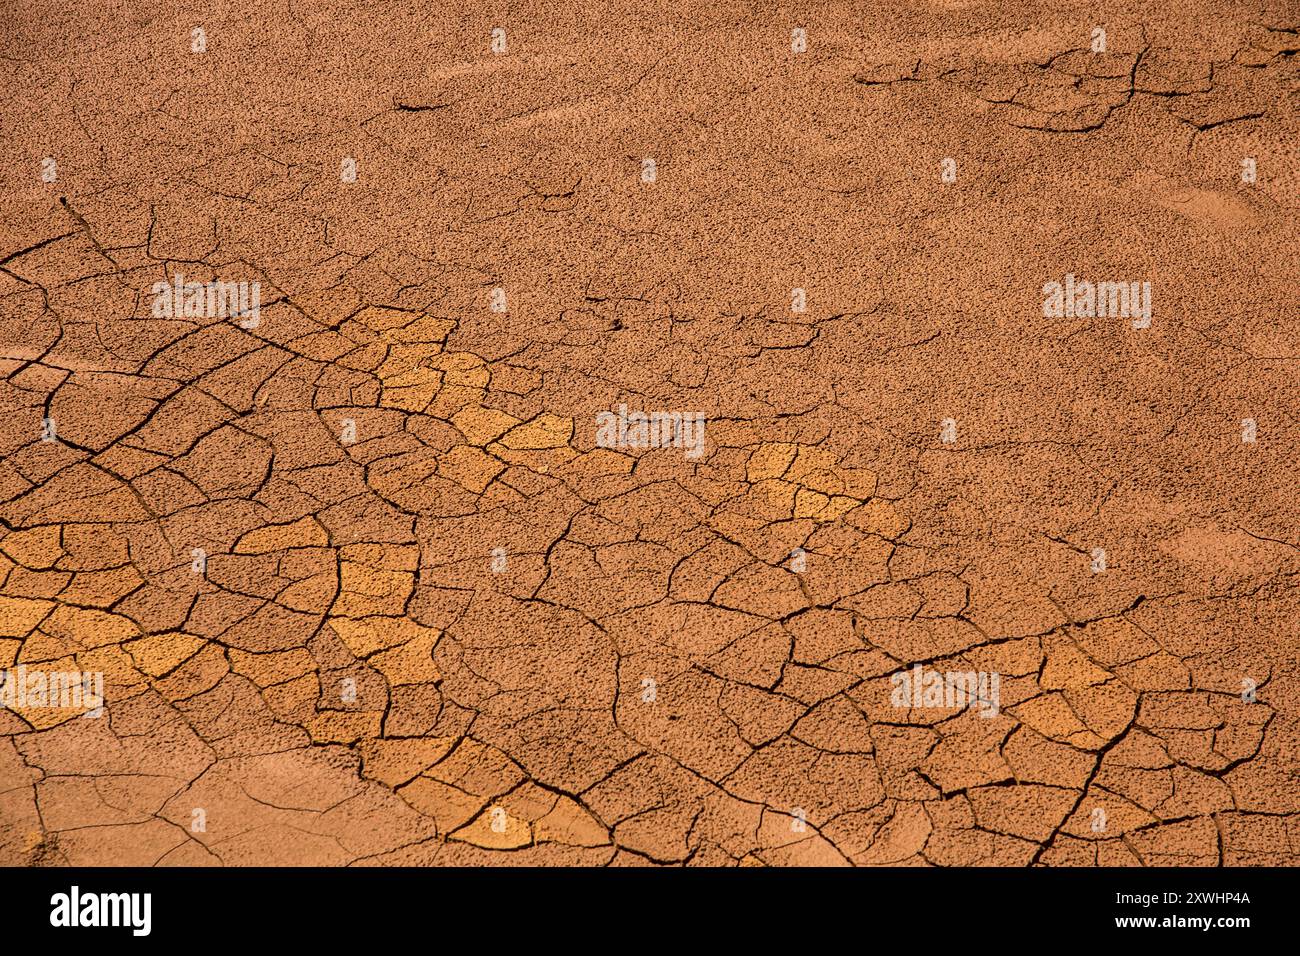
[362,584]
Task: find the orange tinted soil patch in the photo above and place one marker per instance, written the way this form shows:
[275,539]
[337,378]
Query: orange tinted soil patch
[826,436]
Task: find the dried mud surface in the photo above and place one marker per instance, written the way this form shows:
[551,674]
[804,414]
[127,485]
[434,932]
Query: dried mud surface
[349,681]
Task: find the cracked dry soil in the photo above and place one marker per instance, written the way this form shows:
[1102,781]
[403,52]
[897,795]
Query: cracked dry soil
[471,636]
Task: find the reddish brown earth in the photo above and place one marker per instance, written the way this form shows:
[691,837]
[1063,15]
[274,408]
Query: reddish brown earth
[649,678]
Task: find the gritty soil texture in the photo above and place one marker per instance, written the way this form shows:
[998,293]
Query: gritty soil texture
[362,586]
